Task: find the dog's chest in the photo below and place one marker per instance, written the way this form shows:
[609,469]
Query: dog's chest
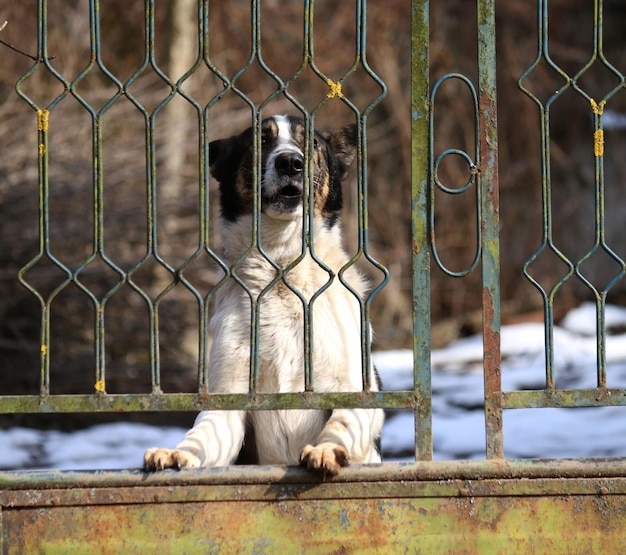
[290,315]
[281,435]
[284,331]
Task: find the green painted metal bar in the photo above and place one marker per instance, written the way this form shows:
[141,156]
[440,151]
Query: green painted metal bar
[490,222]
[136,402]
[420,206]
[597,107]
[98,252]
[483,172]
[473,163]
[562,398]
[43,122]
[547,242]
[363,194]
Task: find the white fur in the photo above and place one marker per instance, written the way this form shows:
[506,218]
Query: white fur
[217,435]
[284,129]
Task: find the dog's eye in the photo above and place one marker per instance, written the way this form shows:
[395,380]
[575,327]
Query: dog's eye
[266,139]
[316,144]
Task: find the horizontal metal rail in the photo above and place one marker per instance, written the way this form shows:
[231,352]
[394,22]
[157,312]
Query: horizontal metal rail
[137,402]
[564,398]
[462,477]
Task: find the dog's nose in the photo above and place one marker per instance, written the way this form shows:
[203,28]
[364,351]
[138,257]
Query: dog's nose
[289,164]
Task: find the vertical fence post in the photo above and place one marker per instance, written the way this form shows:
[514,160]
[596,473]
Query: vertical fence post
[488,182]
[420,117]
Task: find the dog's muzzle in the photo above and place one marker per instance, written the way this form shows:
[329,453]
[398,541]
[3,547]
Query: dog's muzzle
[283,191]
[290,164]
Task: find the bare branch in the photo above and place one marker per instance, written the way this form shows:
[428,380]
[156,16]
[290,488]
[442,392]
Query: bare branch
[8,45]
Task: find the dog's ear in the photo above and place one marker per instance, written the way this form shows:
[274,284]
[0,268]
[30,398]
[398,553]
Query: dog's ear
[219,155]
[343,143]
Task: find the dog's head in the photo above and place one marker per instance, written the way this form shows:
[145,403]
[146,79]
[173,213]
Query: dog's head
[282,169]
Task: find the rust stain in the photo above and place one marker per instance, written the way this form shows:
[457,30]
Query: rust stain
[488,147]
[493,379]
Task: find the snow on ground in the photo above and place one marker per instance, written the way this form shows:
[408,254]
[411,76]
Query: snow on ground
[458,418]
[457,382]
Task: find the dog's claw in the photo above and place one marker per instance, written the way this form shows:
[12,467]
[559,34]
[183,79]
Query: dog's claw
[160,459]
[327,458]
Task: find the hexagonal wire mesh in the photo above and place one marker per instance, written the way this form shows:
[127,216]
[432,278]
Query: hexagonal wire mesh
[157,400]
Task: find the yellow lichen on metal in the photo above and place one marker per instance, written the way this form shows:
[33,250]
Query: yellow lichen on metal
[43,117]
[598,109]
[598,136]
[598,142]
[335,89]
[99,386]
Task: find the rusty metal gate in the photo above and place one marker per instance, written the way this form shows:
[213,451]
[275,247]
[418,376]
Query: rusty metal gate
[486,506]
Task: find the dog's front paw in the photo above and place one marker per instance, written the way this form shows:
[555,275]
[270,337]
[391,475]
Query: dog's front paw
[327,458]
[160,459]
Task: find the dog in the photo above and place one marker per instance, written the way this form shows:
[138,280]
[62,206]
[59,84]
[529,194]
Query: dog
[324,441]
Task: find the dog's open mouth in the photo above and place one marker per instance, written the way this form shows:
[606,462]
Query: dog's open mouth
[286,199]
[290,193]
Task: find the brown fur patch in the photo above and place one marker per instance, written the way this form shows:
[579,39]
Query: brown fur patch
[322,190]
[244,191]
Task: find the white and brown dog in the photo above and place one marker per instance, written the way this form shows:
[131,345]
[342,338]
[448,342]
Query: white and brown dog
[322,440]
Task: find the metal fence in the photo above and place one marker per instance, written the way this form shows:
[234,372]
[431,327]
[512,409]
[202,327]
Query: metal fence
[482,166]
[600,395]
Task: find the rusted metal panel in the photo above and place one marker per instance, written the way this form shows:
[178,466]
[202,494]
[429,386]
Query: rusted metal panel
[209,512]
[427,507]
[437,525]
